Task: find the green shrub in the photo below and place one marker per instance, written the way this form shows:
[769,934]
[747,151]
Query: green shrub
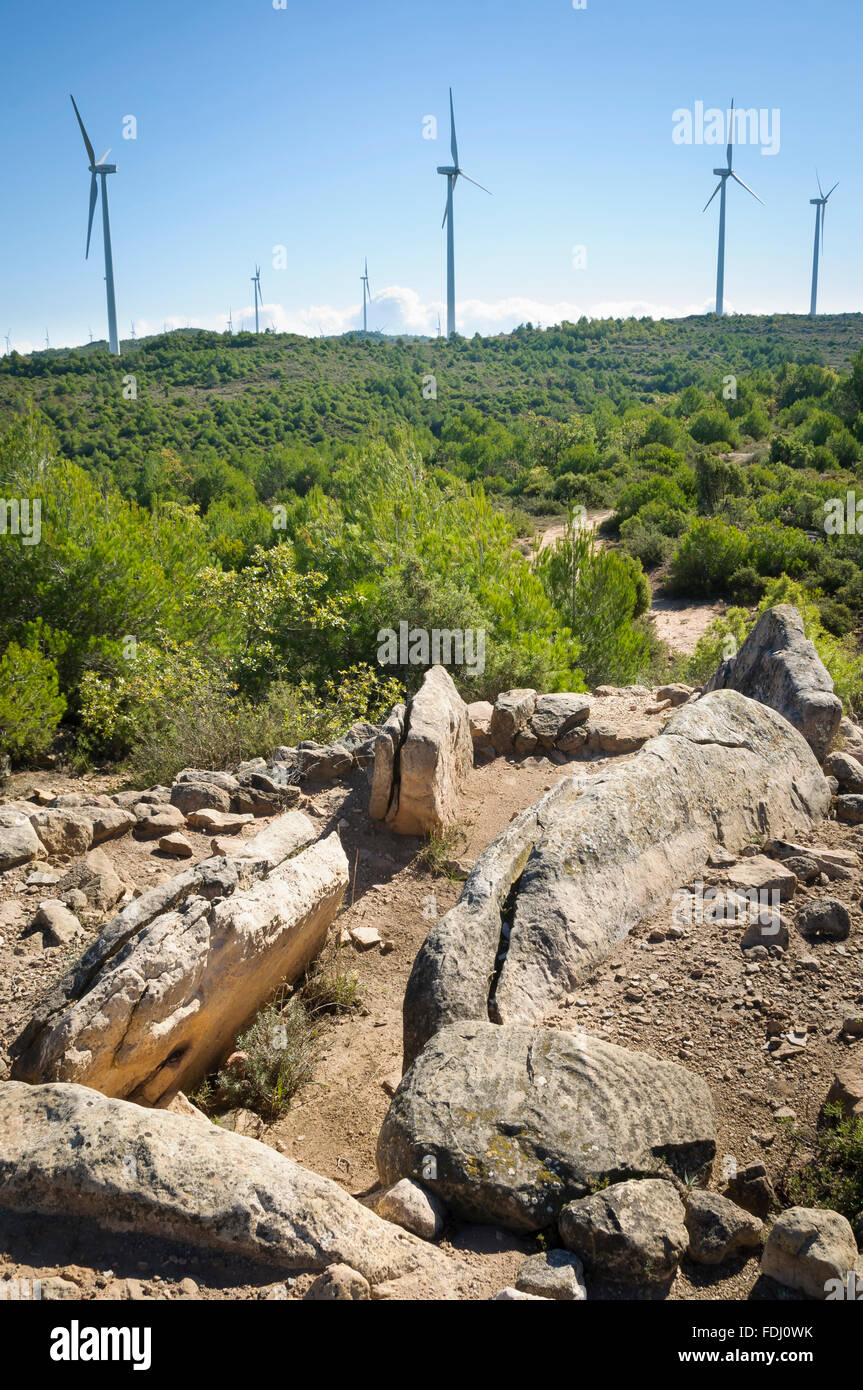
[833,1175]
[31,705]
[706,558]
[281,1049]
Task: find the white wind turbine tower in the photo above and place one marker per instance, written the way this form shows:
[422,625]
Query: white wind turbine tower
[820,214]
[452,173]
[230,320]
[102,169]
[367,294]
[8,342]
[724,175]
[256,281]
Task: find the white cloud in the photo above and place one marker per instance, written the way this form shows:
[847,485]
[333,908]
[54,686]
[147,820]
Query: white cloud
[398,310]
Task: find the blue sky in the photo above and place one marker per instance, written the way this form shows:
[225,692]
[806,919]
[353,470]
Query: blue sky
[302,127]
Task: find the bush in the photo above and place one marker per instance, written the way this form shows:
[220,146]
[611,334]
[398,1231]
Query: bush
[833,1176]
[31,705]
[706,558]
[281,1050]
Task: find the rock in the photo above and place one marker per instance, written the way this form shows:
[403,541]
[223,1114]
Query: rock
[637,831]
[525,742]
[435,756]
[243,1121]
[847,1088]
[410,1206]
[759,875]
[387,744]
[513,711]
[766,928]
[807,1247]
[218,822]
[94,876]
[629,1233]
[511,1295]
[479,714]
[752,1189]
[615,737]
[847,771]
[365,937]
[678,694]
[339,1284]
[64,833]
[68,1151]
[56,1288]
[188,796]
[849,808]
[214,778]
[160,1013]
[61,927]
[278,841]
[780,667]
[597,854]
[824,917]
[554,1274]
[717,1228]
[157,821]
[19,842]
[555,715]
[835,863]
[176,846]
[805,869]
[181,1105]
[506,1124]
[324,762]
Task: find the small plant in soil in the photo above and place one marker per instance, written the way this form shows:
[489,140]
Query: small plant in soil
[278,1053]
[329,989]
[832,1176]
[440,848]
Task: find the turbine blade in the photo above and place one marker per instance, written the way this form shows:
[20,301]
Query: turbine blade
[445,214]
[453,141]
[748,189]
[823,214]
[712,196]
[89,147]
[93,195]
[818,181]
[827,195]
[477,185]
[105,155]
[730,135]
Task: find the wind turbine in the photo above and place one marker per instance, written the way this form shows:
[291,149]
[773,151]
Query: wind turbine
[820,214]
[230,321]
[367,294]
[133,333]
[102,169]
[256,281]
[8,344]
[724,176]
[452,172]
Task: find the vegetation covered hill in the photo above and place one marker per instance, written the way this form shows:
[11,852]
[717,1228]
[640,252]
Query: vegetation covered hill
[228,522]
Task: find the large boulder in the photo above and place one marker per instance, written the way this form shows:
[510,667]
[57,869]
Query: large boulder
[94,876]
[630,1233]
[556,715]
[152,1018]
[570,877]
[67,1151]
[19,842]
[718,1228]
[808,1248]
[434,758]
[387,743]
[778,666]
[513,710]
[507,1124]
[64,832]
